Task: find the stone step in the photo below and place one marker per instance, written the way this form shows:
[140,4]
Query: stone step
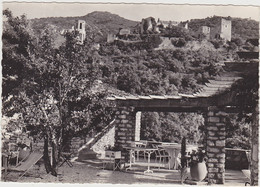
[192,182]
[86,154]
[94,162]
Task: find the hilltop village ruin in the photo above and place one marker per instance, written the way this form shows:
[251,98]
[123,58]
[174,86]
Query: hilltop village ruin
[149,26]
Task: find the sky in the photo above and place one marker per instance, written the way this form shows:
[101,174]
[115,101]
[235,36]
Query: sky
[131,11]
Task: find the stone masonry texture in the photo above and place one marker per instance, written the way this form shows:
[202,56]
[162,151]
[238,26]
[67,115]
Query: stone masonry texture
[125,129]
[215,145]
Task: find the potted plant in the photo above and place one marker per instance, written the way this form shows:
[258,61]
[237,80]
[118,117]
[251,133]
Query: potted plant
[197,163]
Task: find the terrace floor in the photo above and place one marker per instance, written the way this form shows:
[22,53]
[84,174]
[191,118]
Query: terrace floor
[93,173]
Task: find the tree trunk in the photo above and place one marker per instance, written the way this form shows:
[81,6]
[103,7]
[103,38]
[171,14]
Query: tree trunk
[46,158]
[54,155]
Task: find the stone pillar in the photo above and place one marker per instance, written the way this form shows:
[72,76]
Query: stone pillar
[215,145]
[254,148]
[137,126]
[124,128]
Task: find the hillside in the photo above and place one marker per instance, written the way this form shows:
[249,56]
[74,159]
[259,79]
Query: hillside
[103,22]
[242,28]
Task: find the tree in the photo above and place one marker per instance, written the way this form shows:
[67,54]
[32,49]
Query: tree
[55,95]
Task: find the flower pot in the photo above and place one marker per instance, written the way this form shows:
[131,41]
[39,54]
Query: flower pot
[198,171]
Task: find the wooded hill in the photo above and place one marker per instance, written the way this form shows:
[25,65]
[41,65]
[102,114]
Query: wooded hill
[99,22]
[241,28]
[105,22]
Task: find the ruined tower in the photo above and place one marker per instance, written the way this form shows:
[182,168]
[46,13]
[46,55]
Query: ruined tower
[80,27]
[221,30]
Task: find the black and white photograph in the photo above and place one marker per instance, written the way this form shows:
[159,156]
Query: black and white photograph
[129,93]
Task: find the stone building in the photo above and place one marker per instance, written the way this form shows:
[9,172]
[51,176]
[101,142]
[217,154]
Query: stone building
[184,24]
[80,27]
[111,38]
[222,30]
[124,31]
[204,31]
[148,25]
[166,24]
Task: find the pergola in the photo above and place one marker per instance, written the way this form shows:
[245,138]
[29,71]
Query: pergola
[215,100]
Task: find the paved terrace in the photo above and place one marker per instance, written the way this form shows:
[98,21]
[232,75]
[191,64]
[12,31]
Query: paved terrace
[93,173]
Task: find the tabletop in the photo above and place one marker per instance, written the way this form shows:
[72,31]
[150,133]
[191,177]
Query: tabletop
[140,148]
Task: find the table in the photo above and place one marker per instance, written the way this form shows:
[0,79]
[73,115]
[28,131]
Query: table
[174,151]
[132,151]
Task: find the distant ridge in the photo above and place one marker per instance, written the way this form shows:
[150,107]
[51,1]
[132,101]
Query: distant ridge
[98,21]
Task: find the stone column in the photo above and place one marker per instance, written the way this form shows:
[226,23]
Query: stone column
[254,148]
[124,128]
[137,126]
[215,145]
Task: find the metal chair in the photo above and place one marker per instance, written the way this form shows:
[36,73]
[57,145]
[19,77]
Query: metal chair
[140,152]
[66,158]
[161,155]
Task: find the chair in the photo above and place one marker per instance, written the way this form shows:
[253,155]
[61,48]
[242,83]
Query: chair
[161,155]
[66,158]
[139,153]
[25,165]
[112,157]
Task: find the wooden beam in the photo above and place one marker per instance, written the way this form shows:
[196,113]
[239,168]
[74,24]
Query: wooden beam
[172,109]
[172,103]
[223,82]
[210,85]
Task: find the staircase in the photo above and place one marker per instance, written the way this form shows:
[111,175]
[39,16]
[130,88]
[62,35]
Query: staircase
[86,152]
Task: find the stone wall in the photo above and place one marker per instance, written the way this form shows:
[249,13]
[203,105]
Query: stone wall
[215,145]
[222,30]
[107,140]
[124,128]
[76,143]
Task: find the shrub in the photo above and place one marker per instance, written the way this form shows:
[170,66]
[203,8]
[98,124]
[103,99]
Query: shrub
[179,43]
[217,43]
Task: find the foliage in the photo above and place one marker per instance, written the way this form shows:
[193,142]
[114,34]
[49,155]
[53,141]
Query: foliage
[55,96]
[242,28]
[166,127]
[179,43]
[217,43]
[17,46]
[237,132]
[53,88]
[177,32]
[97,22]
[197,156]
